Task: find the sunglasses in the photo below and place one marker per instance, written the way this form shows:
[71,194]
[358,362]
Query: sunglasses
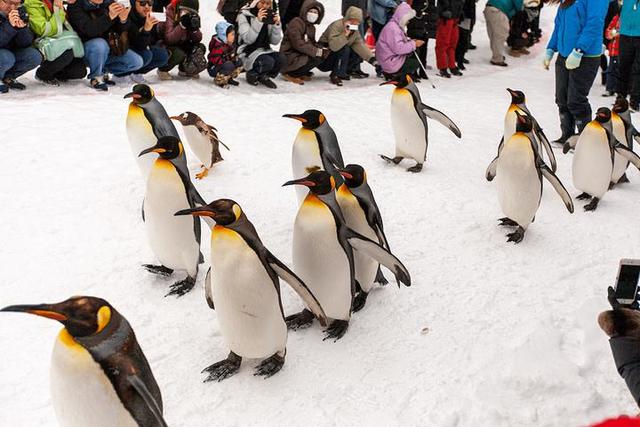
[145,3]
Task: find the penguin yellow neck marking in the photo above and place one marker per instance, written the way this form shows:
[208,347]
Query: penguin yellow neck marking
[513,108]
[343,190]
[65,338]
[163,164]
[313,200]
[222,232]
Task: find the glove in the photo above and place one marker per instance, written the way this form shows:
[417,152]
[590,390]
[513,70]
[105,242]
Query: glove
[548,56]
[611,296]
[447,14]
[573,60]
[373,61]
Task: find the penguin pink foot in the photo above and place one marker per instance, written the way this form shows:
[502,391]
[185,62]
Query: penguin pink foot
[223,369]
[269,367]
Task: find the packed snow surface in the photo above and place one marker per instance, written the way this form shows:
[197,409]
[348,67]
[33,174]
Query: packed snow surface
[489,334]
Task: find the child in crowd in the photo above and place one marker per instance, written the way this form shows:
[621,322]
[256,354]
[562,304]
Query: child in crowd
[224,65]
[612,35]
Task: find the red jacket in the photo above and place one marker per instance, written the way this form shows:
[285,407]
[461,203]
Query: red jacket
[220,52]
[613,35]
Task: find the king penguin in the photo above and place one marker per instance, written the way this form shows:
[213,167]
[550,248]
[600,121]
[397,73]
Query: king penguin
[361,213]
[409,123]
[99,374]
[520,169]
[245,292]
[540,139]
[174,240]
[147,121]
[323,254]
[623,131]
[593,159]
[315,147]
[203,140]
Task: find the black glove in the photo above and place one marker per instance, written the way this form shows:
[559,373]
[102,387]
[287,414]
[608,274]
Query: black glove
[611,296]
[373,61]
[566,147]
[447,14]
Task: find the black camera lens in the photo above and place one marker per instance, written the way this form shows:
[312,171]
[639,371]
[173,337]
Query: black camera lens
[22,13]
[195,21]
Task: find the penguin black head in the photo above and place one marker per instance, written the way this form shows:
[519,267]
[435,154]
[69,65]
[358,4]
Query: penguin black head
[81,316]
[187,118]
[621,105]
[517,96]
[223,211]
[310,119]
[400,82]
[168,147]
[140,94]
[354,175]
[603,115]
[319,182]
[524,123]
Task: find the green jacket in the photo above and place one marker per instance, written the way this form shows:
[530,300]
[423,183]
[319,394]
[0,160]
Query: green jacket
[42,21]
[334,36]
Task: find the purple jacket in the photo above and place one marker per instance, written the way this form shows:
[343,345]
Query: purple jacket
[393,45]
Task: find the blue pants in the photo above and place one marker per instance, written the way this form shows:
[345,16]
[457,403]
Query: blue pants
[14,63]
[613,74]
[154,57]
[268,64]
[100,61]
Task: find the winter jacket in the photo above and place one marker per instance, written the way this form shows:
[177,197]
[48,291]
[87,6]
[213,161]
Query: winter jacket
[299,43]
[289,10]
[219,50]
[508,7]
[579,26]
[45,20]
[92,21]
[360,4]
[626,354]
[335,38]
[139,39]
[630,18]
[380,10]
[393,46]
[13,38]
[450,9]
[173,34]
[469,9]
[613,35]
[255,38]
[232,7]
[424,25]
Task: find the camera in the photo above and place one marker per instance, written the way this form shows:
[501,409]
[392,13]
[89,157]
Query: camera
[269,19]
[22,13]
[190,21]
[626,291]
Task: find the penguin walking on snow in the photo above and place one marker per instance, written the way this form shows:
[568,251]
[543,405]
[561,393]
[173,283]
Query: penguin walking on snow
[520,169]
[323,255]
[623,131]
[315,147]
[148,121]
[510,120]
[99,374]
[594,156]
[203,140]
[361,213]
[174,240]
[245,292]
[409,123]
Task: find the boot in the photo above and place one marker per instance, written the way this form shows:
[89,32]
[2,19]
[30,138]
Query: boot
[567,126]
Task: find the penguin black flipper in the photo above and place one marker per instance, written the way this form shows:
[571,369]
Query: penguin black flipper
[491,169]
[627,154]
[557,185]
[142,210]
[153,110]
[441,118]
[367,202]
[374,250]
[544,141]
[331,159]
[207,290]
[143,391]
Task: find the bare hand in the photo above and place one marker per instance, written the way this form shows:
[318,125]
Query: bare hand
[419,42]
[276,19]
[262,13]
[15,21]
[347,31]
[149,22]
[124,14]
[114,10]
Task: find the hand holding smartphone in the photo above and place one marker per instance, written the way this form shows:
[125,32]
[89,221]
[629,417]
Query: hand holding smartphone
[159,16]
[627,282]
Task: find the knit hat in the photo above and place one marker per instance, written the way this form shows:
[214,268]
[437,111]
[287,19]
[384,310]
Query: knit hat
[223,28]
[189,4]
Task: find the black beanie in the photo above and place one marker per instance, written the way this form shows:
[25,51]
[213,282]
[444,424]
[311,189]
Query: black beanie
[190,4]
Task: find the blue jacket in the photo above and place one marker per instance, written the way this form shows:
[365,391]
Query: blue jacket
[381,10]
[630,18]
[13,38]
[579,26]
[508,7]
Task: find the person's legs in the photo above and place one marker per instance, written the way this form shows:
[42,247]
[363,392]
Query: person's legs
[567,123]
[625,63]
[442,36]
[26,59]
[634,90]
[453,43]
[580,81]
[422,54]
[462,46]
[279,61]
[330,61]
[76,70]
[176,56]
[49,69]
[603,68]
[96,52]
[410,66]
[306,68]
[376,29]
[7,60]
[613,76]
[124,64]
[498,30]
[263,65]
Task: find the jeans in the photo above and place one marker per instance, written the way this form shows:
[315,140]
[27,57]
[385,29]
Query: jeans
[629,58]
[176,56]
[306,68]
[268,64]
[98,57]
[64,67]
[613,74]
[337,62]
[14,63]
[572,91]
[152,58]
[225,69]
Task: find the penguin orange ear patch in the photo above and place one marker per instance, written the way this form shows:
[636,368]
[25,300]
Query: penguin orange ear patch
[104,316]
[333,182]
[237,211]
[322,118]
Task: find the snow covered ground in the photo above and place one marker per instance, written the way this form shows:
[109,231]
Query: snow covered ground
[512,337]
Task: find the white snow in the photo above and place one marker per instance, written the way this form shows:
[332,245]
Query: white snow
[512,337]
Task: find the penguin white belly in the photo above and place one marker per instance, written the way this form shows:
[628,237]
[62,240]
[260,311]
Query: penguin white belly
[82,394]
[510,122]
[141,137]
[620,164]
[366,267]
[408,129]
[592,166]
[519,186]
[305,158]
[319,259]
[199,145]
[172,238]
[247,303]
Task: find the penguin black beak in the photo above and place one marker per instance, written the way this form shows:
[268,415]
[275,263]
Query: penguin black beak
[295,117]
[42,310]
[153,149]
[199,211]
[301,181]
[390,82]
[511,91]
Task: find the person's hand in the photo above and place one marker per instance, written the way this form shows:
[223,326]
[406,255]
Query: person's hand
[262,13]
[347,31]
[58,4]
[419,42]
[15,21]
[124,14]
[114,10]
[573,60]
[611,296]
[548,56]
[149,22]
[325,53]
[276,19]
[373,61]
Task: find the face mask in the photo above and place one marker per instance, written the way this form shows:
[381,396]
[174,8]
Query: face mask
[312,17]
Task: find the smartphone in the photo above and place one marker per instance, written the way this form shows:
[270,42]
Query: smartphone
[160,16]
[125,3]
[627,281]
[353,27]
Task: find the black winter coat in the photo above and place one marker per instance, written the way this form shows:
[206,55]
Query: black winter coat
[448,9]
[14,38]
[138,38]
[424,25]
[626,354]
[469,10]
[93,22]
